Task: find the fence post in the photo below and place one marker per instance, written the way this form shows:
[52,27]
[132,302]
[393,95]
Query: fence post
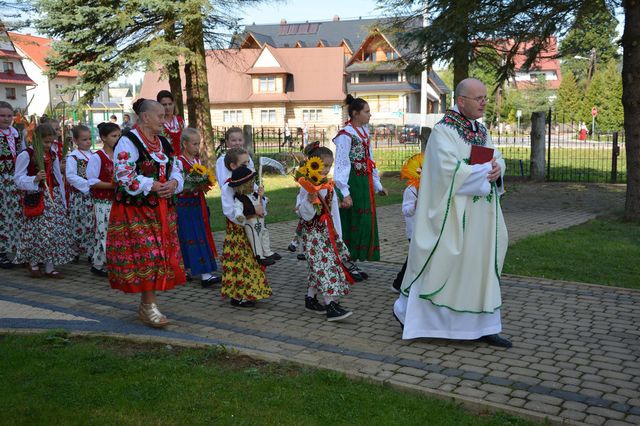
[538,119]
[425,132]
[615,152]
[247,133]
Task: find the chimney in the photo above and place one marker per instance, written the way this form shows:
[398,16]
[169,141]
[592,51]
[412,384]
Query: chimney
[336,18]
[283,21]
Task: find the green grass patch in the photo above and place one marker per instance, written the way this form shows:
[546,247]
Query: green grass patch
[601,251]
[282,192]
[53,379]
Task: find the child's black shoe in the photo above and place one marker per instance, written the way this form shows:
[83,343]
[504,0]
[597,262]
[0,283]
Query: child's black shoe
[243,303]
[292,248]
[266,261]
[275,256]
[311,304]
[98,272]
[336,313]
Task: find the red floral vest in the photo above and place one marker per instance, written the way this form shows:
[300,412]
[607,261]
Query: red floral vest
[106,175]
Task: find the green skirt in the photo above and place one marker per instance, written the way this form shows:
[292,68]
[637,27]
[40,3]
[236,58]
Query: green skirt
[359,223]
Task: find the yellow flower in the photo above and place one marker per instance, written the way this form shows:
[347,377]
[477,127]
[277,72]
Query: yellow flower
[212,177]
[412,169]
[315,176]
[315,164]
[200,169]
[303,170]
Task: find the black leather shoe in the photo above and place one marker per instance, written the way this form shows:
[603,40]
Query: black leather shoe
[210,282]
[98,272]
[311,304]
[301,256]
[496,340]
[336,313]
[292,248]
[266,261]
[275,256]
[243,303]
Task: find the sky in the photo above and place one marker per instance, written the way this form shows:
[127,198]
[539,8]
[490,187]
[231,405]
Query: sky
[309,10]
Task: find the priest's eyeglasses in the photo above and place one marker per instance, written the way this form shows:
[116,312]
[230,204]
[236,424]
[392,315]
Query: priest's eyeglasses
[479,99]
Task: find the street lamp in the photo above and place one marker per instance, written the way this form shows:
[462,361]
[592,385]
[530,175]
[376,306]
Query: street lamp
[592,63]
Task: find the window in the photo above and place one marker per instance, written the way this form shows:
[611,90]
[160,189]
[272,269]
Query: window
[392,55]
[311,114]
[389,78]
[232,116]
[8,67]
[267,84]
[370,57]
[10,93]
[268,115]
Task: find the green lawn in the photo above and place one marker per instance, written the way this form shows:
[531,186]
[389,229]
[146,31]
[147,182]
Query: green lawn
[282,192]
[53,379]
[602,251]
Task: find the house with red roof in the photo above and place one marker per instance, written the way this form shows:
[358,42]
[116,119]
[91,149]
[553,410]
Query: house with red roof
[545,69]
[14,80]
[48,91]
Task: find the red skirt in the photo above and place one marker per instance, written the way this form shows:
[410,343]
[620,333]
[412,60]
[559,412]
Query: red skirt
[141,256]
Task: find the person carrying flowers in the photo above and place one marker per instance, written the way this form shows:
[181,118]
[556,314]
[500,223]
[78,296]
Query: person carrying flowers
[322,245]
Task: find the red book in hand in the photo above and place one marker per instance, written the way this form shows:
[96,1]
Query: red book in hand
[480,154]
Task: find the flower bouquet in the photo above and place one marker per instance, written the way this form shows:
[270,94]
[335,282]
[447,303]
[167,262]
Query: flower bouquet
[199,179]
[412,170]
[309,176]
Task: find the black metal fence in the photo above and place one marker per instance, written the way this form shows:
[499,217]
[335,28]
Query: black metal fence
[572,153]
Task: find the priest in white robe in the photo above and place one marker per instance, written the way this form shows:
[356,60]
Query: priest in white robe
[451,288]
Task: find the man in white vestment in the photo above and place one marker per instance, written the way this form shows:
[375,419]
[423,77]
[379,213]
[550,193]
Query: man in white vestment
[451,288]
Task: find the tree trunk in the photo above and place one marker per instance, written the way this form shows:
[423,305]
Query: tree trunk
[195,69]
[631,104]
[461,62]
[173,71]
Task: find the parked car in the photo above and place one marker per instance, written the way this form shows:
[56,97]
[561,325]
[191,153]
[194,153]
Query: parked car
[409,134]
[383,131]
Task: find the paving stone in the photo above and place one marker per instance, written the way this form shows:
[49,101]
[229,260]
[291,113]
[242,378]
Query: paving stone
[606,413]
[412,371]
[541,407]
[471,392]
[572,415]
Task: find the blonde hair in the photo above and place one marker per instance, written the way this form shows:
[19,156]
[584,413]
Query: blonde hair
[188,133]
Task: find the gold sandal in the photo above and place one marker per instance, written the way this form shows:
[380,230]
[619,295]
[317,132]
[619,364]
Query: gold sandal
[151,315]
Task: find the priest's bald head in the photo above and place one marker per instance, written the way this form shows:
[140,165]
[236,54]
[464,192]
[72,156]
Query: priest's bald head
[471,98]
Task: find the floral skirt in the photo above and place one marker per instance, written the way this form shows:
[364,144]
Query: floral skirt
[47,238]
[139,256]
[325,272]
[82,221]
[102,209]
[192,233]
[359,223]
[242,276]
[10,214]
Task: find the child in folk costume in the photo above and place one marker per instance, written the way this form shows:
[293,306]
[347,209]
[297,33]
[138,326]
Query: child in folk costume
[45,236]
[194,230]
[243,279]
[100,177]
[357,182]
[173,124]
[143,252]
[249,212]
[411,172]
[321,242]
[11,212]
[81,215]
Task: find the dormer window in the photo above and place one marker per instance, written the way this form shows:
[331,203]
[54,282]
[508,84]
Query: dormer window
[392,55]
[267,84]
[369,57]
[8,67]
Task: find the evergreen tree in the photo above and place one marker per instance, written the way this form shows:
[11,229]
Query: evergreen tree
[594,28]
[569,102]
[605,93]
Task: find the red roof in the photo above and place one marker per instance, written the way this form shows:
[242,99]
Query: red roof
[9,54]
[13,78]
[37,49]
[547,59]
[317,72]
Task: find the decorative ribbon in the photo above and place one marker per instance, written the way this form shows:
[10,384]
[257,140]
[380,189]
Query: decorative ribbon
[163,209]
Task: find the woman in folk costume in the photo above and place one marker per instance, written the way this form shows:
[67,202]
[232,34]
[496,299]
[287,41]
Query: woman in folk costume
[173,124]
[357,182]
[143,253]
[45,236]
[81,215]
[100,176]
[325,252]
[194,230]
[11,212]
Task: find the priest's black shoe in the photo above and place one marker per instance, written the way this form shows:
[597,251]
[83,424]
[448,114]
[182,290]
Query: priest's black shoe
[496,340]
[98,272]
[275,256]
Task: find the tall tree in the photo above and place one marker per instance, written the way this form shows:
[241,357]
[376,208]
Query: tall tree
[569,101]
[631,103]
[592,38]
[605,93]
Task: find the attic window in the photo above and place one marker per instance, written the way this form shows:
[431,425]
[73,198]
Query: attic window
[7,67]
[292,29]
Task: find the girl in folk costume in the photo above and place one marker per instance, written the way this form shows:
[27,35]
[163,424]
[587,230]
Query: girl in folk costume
[81,216]
[11,212]
[143,253]
[100,176]
[194,230]
[173,124]
[325,252]
[45,237]
[357,181]
[243,279]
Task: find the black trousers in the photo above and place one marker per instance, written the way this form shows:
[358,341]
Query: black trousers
[397,283]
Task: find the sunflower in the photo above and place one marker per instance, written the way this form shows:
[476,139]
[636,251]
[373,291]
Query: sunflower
[302,170]
[212,177]
[412,169]
[200,169]
[314,178]
[315,164]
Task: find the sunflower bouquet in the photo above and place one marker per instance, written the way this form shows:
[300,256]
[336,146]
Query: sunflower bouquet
[309,176]
[412,169]
[199,179]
